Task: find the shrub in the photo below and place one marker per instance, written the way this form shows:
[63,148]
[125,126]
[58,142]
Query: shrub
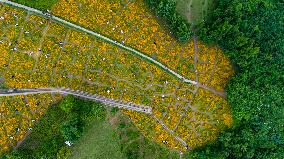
[166,10]
[72,129]
[68,104]
[64,153]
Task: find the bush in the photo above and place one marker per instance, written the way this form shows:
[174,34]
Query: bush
[68,104]
[72,129]
[79,113]
[64,153]
[39,4]
[91,110]
[166,10]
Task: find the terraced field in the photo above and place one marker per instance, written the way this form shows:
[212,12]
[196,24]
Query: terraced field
[118,50]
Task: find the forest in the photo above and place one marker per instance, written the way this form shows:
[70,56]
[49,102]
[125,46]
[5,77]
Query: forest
[251,33]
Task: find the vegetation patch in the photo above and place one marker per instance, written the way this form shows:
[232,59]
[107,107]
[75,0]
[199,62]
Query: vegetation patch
[166,10]
[18,117]
[251,34]
[39,4]
[134,144]
[99,141]
[118,138]
[100,133]
[64,122]
[195,11]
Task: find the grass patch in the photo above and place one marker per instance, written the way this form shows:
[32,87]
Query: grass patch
[195,11]
[117,138]
[39,4]
[99,141]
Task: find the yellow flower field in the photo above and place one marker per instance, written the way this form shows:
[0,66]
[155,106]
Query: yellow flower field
[39,53]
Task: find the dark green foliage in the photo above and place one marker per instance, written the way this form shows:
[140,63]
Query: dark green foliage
[114,110]
[166,10]
[39,4]
[259,138]
[247,30]
[79,112]
[67,104]
[251,34]
[91,110]
[72,129]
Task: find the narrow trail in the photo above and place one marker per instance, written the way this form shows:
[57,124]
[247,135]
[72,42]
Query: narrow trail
[171,132]
[81,94]
[201,85]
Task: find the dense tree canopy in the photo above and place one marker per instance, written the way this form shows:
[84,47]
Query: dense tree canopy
[248,30]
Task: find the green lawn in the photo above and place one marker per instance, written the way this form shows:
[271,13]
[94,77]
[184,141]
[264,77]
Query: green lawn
[195,10]
[98,142]
[39,4]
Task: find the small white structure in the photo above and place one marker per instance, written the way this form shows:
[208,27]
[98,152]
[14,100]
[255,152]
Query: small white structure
[68,143]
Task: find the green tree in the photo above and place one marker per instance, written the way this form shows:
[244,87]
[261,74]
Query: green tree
[178,25]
